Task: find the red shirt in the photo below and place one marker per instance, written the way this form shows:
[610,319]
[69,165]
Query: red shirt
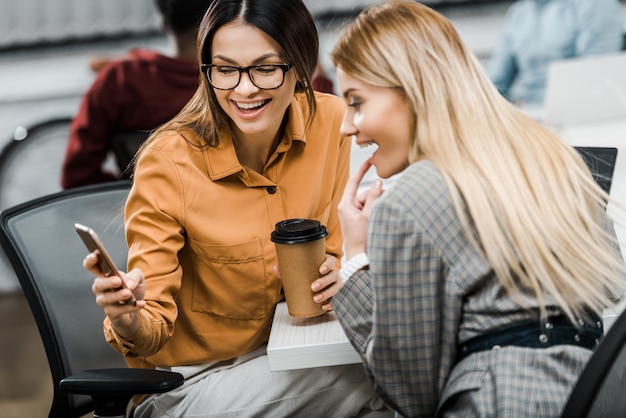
[139,92]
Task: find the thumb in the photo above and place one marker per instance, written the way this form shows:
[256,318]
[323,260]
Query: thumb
[377,187]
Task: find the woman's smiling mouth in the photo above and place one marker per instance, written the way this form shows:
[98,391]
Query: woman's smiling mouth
[251,106]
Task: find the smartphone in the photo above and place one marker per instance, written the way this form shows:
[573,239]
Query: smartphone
[106,264]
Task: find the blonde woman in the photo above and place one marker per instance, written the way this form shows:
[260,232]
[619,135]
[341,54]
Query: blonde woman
[473,286]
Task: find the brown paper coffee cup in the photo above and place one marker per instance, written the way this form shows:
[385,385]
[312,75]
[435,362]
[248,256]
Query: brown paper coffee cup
[301,250]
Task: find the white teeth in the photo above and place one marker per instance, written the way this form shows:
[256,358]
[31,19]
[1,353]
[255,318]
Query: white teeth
[248,106]
[367,144]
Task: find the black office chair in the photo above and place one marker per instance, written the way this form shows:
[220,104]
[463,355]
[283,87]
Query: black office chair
[601,162]
[125,146]
[46,253]
[30,166]
[30,163]
[601,389]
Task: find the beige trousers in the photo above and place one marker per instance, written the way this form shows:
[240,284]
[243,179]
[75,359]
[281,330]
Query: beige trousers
[246,387]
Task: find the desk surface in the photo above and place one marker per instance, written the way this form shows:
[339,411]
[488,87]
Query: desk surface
[301,343]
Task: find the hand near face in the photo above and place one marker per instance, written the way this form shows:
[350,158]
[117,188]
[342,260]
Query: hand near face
[354,211]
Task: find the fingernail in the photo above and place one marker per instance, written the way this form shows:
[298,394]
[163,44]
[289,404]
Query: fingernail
[378,184]
[318,298]
[315,286]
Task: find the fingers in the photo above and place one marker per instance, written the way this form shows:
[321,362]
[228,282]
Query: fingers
[90,263]
[114,290]
[276,270]
[329,263]
[133,280]
[328,285]
[325,296]
[372,196]
[109,291]
[352,186]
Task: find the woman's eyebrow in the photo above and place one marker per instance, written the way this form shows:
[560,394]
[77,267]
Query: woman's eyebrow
[259,59]
[348,92]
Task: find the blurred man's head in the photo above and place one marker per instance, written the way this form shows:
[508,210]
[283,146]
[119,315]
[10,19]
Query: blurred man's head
[182,16]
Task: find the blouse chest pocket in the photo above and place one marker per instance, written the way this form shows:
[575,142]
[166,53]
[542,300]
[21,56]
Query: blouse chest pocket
[229,280]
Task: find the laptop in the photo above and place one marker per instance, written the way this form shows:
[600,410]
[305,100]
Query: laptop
[586,90]
[601,162]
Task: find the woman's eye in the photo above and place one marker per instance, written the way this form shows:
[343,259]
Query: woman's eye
[355,105]
[226,70]
[266,70]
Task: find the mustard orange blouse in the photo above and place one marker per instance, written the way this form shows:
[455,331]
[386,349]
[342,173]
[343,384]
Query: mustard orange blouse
[198,224]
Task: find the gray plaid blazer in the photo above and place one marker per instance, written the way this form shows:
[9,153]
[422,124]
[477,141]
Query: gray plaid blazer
[428,289]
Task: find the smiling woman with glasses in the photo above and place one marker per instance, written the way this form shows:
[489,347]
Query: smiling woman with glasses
[254,146]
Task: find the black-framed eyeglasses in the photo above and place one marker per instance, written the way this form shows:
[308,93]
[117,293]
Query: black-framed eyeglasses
[227,77]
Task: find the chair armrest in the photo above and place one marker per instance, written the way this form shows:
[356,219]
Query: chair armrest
[112,389]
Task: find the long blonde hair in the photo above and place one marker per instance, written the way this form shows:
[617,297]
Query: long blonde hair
[533,203]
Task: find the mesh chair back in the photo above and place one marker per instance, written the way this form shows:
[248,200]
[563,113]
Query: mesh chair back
[601,388]
[30,166]
[46,253]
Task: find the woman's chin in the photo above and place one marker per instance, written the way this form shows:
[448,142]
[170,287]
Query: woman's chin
[385,171]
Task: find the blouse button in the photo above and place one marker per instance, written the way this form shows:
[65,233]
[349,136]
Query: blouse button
[271,190]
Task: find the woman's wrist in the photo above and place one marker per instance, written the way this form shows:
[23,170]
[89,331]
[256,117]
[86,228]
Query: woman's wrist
[352,252]
[358,262]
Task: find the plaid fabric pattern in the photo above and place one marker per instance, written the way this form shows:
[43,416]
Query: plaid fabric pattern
[426,290]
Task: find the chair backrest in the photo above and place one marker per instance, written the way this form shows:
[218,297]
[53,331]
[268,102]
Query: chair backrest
[30,165]
[601,389]
[601,162]
[125,146]
[46,253]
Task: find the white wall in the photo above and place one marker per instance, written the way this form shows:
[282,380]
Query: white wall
[32,21]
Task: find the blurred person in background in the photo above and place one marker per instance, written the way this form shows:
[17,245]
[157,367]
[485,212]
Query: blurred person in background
[475,284]
[321,81]
[137,92]
[538,32]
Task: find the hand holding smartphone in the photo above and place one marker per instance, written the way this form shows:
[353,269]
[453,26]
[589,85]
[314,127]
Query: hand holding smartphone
[105,263]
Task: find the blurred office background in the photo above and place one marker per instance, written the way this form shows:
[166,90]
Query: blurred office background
[34,22]
[46,47]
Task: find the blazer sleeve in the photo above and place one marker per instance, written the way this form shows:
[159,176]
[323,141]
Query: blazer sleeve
[392,313]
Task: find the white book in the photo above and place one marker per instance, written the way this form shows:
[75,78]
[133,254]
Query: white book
[302,343]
